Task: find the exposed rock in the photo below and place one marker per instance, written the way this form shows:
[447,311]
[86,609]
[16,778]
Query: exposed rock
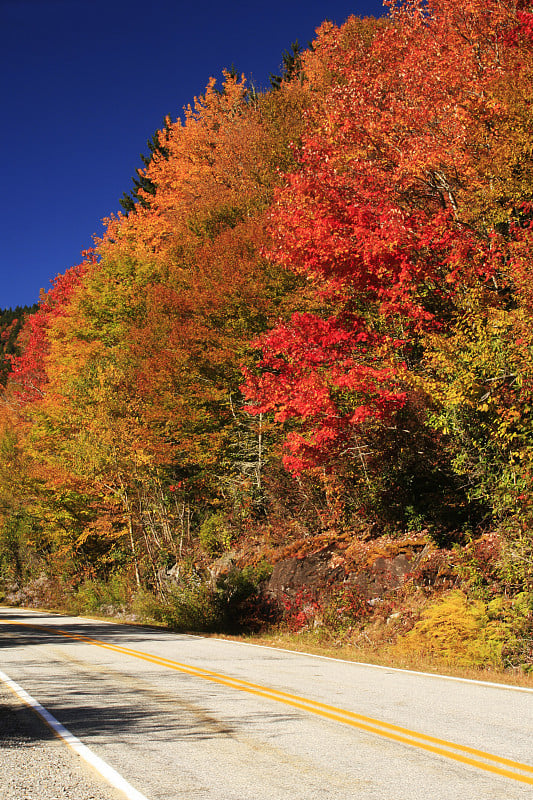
[217,569]
[222,566]
[321,571]
[385,575]
[314,572]
[435,569]
[172,575]
[34,594]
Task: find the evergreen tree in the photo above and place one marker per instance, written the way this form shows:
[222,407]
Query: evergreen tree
[291,65]
[11,322]
[157,149]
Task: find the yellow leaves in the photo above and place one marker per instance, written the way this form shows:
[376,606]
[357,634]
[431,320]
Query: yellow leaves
[457,631]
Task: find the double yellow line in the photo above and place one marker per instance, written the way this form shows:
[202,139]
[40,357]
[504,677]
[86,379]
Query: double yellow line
[480,759]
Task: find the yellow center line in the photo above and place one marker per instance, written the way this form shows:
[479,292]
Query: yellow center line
[388,730]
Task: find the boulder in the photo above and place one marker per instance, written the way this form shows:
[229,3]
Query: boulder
[314,572]
[385,575]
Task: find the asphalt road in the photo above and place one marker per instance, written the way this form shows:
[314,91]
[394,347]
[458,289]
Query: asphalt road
[206,719]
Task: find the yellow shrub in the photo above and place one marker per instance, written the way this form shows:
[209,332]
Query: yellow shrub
[457,631]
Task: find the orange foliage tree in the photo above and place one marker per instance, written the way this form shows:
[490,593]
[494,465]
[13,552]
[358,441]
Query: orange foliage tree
[359,243]
[137,401]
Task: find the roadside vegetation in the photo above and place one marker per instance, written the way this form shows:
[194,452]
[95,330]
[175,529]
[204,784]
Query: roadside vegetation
[308,334]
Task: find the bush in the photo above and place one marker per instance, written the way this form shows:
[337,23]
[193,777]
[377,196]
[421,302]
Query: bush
[345,608]
[193,606]
[457,631]
[301,611]
[479,565]
[234,604]
[244,606]
[214,535]
[516,615]
[110,597]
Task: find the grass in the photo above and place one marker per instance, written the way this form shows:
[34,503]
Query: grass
[315,644]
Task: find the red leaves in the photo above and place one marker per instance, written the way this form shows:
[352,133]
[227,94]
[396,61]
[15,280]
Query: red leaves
[29,369]
[324,373]
[379,215]
[523,31]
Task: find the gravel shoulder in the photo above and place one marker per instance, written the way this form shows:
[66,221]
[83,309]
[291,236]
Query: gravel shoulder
[35,765]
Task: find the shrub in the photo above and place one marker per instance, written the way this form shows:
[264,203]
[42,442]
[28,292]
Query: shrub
[457,631]
[233,604]
[110,596]
[244,606]
[193,606]
[214,535]
[517,615]
[301,611]
[345,608]
[478,564]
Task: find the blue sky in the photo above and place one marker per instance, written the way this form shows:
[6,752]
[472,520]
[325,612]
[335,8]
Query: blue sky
[84,84]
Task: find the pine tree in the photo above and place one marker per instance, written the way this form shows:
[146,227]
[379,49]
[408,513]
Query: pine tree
[11,322]
[141,184]
[291,66]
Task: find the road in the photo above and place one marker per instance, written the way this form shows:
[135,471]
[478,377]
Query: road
[195,718]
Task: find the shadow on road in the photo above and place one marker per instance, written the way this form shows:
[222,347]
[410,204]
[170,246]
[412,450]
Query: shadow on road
[107,702]
[36,628]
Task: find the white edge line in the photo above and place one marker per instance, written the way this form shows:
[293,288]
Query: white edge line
[375,666]
[106,771]
[494,685]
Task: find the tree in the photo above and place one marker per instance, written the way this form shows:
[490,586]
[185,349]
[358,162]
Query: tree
[28,371]
[129,381]
[416,150]
[11,323]
[143,186]
[291,66]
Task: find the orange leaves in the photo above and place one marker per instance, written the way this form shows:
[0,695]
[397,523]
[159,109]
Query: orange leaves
[181,287]
[211,176]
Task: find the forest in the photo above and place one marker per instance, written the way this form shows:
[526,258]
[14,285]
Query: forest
[309,331]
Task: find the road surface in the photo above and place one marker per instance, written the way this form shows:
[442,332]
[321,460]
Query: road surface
[193,718]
